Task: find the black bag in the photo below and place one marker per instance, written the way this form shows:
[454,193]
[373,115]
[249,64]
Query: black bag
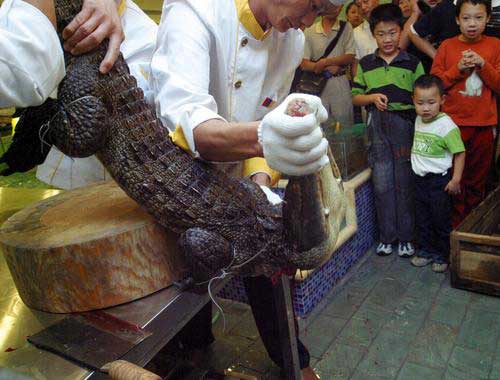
[308,81]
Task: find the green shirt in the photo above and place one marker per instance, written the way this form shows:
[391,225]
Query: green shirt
[394,80]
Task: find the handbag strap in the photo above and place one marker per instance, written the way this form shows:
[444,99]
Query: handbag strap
[332,44]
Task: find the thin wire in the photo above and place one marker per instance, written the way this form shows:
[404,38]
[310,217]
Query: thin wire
[250,259]
[221,277]
[230,266]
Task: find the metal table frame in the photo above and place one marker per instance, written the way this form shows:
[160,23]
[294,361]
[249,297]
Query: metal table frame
[163,313]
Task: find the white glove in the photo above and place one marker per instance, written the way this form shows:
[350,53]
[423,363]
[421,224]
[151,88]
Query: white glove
[273,198]
[295,145]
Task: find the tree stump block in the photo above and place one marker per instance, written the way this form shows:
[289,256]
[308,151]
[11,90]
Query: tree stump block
[88,249]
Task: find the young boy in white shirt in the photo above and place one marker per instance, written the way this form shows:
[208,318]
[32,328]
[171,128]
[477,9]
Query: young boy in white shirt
[437,148]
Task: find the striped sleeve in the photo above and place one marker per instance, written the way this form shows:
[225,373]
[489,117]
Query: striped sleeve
[419,71]
[359,84]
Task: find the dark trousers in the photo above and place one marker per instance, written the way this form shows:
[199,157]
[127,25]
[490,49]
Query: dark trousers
[479,149]
[433,216]
[198,333]
[390,137]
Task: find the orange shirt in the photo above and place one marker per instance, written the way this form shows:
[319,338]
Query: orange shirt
[469,110]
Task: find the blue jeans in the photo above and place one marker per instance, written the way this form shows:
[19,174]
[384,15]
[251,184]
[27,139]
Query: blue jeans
[390,136]
[433,216]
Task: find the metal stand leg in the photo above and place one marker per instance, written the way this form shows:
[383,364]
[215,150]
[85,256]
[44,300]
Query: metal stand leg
[284,307]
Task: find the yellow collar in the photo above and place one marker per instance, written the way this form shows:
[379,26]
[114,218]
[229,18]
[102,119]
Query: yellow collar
[248,20]
[122,7]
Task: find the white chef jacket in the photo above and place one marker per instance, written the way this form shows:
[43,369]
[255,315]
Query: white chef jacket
[31,58]
[364,41]
[140,39]
[213,60]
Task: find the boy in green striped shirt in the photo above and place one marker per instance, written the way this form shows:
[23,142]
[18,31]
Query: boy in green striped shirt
[437,147]
[384,84]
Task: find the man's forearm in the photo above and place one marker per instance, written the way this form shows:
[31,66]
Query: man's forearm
[404,40]
[341,60]
[46,7]
[307,65]
[217,140]
[422,44]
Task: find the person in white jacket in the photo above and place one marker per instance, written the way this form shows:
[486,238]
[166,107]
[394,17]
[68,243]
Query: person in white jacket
[137,48]
[218,72]
[32,63]
[31,59]
[27,35]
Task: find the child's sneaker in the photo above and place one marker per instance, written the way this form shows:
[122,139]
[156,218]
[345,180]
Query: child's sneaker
[384,249]
[439,267]
[420,261]
[405,249]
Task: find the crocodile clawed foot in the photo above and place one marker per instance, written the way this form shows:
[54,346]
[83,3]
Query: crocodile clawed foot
[207,253]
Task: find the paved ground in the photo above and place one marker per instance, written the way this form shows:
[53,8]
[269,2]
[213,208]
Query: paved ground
[388,321]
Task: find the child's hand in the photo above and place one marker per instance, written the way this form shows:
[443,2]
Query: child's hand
[473,59]
[464,64]
[453,187]
[380,101]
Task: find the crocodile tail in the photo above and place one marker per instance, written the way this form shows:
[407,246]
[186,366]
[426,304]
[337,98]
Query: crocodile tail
[30,144]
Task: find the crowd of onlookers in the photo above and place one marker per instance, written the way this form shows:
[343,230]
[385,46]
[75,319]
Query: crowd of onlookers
[427,74]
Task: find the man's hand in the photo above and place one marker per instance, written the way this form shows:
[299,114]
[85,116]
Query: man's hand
[262,179]
[320,66]
[291,144]
[333,69]
[453,187]
[97,21]
[380,101]
[415,9]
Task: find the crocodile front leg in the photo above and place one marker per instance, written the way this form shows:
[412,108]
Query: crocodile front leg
[206,253]
[79,128]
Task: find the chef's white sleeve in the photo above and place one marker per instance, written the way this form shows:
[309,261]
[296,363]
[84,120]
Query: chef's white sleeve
[31,57]
[181,71]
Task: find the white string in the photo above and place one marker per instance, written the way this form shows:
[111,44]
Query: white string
[250,259]
[41,135]
[221,277]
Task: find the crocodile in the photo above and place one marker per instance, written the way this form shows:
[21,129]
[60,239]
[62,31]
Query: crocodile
[224,223]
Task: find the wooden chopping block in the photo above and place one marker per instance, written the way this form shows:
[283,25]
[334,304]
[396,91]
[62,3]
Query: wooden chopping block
[88,249]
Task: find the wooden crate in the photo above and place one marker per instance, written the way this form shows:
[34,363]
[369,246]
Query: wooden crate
[475,249]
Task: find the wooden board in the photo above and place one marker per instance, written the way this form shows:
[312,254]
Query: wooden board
[88,249]
[475,249]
